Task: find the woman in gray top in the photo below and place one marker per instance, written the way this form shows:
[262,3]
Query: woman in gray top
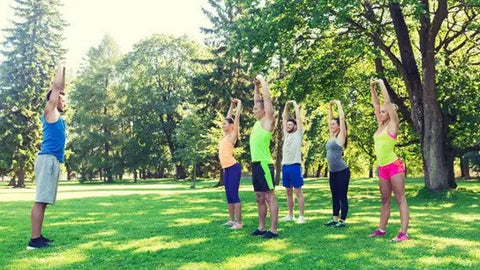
[339,171]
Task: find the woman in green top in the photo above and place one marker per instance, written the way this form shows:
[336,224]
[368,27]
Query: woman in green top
[262,162]
[391,169]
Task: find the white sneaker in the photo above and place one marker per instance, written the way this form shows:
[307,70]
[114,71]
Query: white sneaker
[301,219]
[229,223]
[288,218]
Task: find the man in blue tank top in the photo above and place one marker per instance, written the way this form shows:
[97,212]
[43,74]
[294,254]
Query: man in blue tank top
[47,164]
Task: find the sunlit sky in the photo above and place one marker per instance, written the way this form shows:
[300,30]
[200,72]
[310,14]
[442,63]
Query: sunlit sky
[127,21]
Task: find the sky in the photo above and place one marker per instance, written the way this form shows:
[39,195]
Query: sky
[127,21]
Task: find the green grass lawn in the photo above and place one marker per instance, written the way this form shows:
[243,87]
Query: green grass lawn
[166,225]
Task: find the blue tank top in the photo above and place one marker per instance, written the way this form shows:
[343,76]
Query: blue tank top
[53,139]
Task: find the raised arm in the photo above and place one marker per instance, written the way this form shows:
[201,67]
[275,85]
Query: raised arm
[230,109]
[256,90]
[58,88]
[298,115]
[236,123]
[267,100]
[285,116]
[330,117]
[390,108]
[342,135]
[375,101]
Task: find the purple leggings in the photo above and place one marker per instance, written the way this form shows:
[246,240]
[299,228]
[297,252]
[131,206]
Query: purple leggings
[231,179]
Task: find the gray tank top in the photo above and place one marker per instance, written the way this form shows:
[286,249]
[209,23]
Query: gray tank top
[334,156]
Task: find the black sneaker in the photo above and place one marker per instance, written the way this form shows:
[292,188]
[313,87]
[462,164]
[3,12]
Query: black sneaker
[340,224]
[270,235]
[331,223]
[46,239]
[257,232]
[37,243]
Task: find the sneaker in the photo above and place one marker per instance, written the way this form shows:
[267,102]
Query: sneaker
[45,239]
[37,243]
[301,220]
[376,233]
[400,237]
[229,223]
[270,235]
[257,232]
[288,218]
[340,224]
[236,226]
[331,223]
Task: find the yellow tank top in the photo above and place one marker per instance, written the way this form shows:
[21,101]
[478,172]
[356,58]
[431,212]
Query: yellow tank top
[384,144]
[225,153]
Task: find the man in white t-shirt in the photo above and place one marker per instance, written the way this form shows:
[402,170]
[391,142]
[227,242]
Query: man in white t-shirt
[292,161]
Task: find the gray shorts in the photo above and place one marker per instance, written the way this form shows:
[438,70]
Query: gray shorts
[47,172]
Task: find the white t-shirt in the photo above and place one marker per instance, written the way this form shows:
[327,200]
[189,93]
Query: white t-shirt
[292,147]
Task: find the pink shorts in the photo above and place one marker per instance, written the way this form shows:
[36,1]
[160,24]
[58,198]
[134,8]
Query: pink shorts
[386,172]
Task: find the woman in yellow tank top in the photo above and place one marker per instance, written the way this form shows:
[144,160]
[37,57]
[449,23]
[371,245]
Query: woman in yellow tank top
[231,168]
[391,169]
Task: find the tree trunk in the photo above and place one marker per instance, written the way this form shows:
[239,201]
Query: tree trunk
[181,172]
[279,144]
[12,181]
[21,179]
[220,180]
[319,170]
[371,162]
[427,117]
[438,157]
[279,139]
[465,167]
[161,172]
[135,176]
[194,175]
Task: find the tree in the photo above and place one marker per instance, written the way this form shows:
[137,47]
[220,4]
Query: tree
[389,27]
[228,78]
[301,41]
[155,87]
[191,138]
[32,48]
[95,121]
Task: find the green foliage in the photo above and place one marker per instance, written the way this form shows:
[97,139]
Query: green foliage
[192,142]
[155,89]
[95,126]
[474,159]
[32,48]
[323,50]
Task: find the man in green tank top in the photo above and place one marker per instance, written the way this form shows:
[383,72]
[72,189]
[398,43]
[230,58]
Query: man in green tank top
[262,162]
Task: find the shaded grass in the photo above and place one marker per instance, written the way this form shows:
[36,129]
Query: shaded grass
[173,227]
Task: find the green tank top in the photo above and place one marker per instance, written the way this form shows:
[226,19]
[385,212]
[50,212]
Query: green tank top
[260,144]
[384,144]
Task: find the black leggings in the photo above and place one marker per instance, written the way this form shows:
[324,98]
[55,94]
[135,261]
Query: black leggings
[339,188]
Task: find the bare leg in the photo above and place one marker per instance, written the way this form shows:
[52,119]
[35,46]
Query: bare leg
[398,186]
[386,193]
[290,200]
[231,217]
[301,200]
[272,203]
[37,216]
[238,212]
[262,209]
